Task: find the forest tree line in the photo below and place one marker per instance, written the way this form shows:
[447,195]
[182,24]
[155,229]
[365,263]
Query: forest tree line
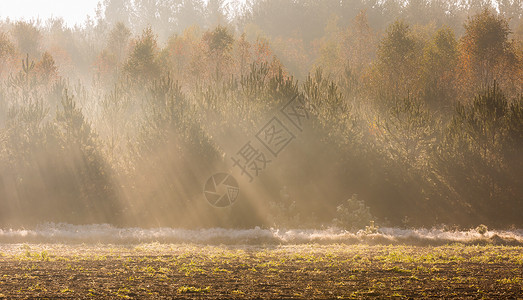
[418,112]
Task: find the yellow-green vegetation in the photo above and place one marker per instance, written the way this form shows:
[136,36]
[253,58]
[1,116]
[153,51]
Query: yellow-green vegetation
[293,271]
[192,289]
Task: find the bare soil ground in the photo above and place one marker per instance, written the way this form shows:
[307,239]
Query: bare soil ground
[154,271]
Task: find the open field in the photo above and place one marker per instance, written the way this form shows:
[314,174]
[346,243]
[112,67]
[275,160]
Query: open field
[155,270]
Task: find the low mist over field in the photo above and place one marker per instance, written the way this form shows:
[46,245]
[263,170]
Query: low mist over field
[261,149]
[277,114]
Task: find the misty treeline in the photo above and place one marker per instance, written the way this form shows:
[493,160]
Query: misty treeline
[418,113]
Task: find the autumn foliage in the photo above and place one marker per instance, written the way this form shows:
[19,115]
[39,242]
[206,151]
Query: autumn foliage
[122,119]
